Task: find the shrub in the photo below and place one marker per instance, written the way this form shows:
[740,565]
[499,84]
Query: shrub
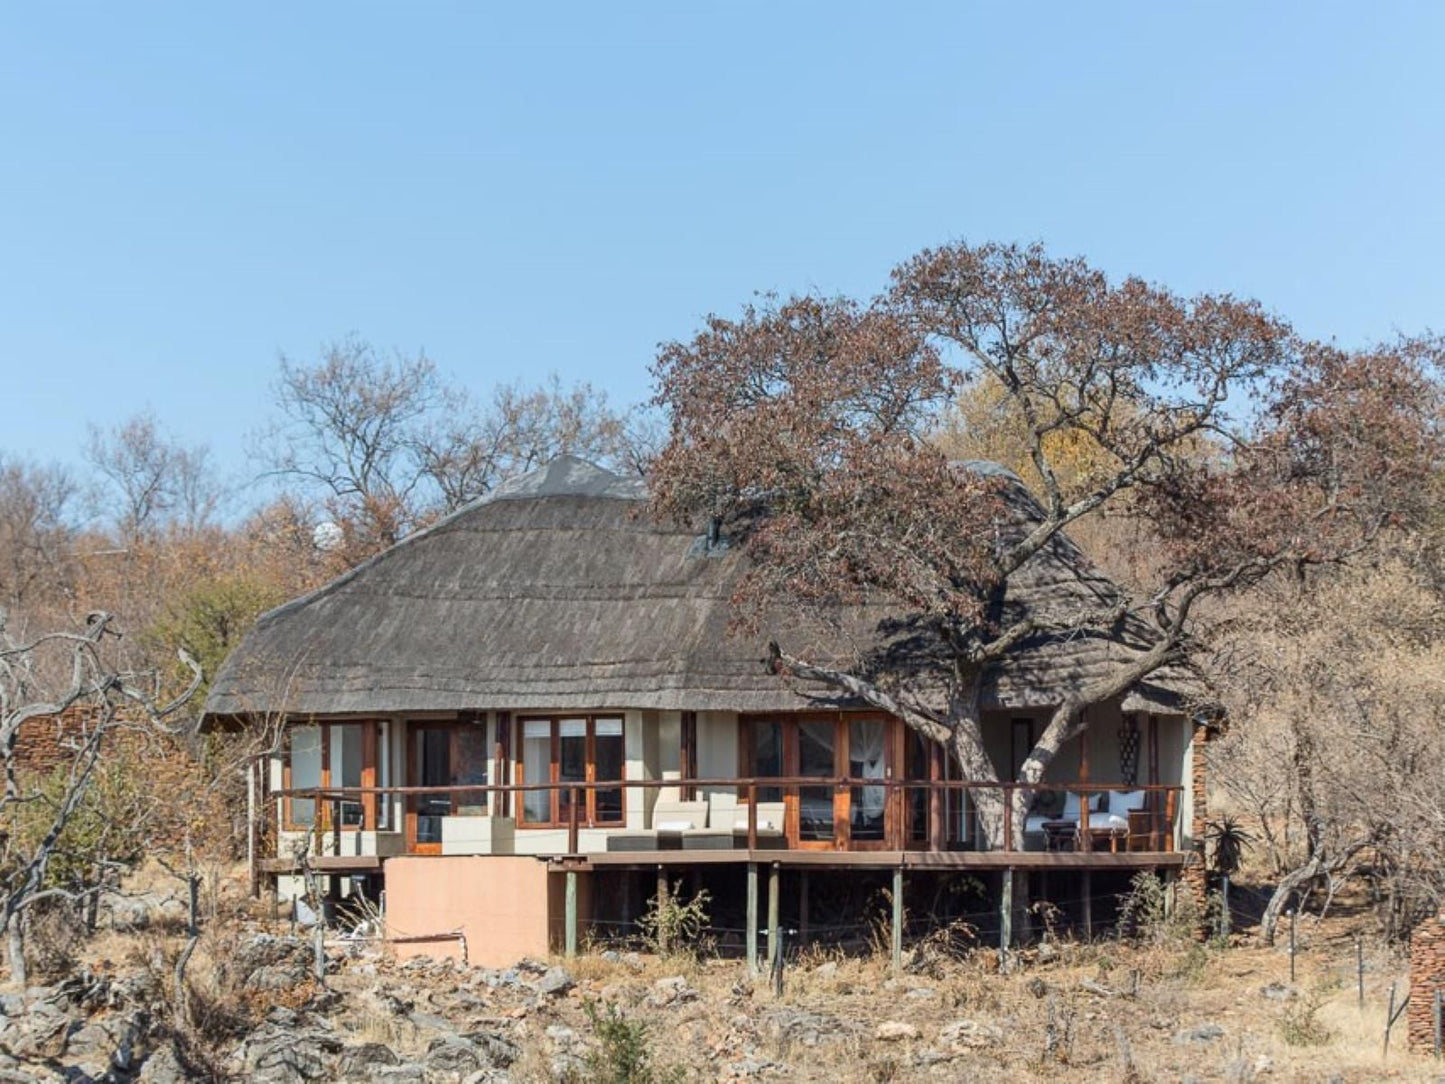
[671,927]
[623,1054]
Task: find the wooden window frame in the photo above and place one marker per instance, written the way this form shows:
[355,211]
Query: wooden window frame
[370,764]
[588,814]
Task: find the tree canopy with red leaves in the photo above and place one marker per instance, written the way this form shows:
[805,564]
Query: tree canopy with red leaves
[806,428]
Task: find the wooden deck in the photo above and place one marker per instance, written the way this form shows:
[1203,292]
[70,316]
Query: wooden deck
[346,863]
[905,860]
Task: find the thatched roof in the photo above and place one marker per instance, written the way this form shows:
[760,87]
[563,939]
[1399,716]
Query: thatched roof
[555,591]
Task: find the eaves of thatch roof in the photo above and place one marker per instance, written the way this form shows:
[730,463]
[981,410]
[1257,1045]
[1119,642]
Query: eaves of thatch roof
[555,591]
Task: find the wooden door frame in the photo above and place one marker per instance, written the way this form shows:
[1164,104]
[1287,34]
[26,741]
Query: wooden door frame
[453,727]
[895,810]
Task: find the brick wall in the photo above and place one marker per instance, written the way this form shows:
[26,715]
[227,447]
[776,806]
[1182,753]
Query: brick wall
[1192,878]
[1427,974]
[46,742]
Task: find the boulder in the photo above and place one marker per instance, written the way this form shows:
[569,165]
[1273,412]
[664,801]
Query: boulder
[1200,1033]
[364,1061]
[554,982]
[970,1035]
[892,1031]
[286,1056]
[671,991]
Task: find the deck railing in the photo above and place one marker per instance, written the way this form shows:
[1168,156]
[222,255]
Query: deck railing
[1160,833]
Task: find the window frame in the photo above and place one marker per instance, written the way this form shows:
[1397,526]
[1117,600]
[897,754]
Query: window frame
[587,815]
[373,736]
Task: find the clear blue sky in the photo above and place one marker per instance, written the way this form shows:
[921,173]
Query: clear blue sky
[184,190]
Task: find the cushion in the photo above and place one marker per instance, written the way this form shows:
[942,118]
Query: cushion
[673,826]
[1122,801]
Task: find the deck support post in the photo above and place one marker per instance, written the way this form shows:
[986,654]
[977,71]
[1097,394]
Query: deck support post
[1006,917]
[570,929]
[775,876]
[1088,886]
[751,934]
[897,941]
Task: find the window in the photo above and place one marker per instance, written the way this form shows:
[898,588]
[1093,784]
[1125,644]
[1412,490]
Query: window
[763,756]
[572,749]
[334,755]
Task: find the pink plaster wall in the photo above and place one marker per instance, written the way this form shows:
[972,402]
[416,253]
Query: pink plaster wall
[504,906]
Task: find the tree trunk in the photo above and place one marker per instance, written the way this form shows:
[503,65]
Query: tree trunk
[19,972]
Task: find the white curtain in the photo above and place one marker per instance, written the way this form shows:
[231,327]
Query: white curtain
[866,746]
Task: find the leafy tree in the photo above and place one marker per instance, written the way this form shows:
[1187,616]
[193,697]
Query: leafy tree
[805,428]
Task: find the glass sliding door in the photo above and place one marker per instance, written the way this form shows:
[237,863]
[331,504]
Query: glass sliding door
[571,766]
[867,759]
[817,758]
[305,762]
[432,748]
[766,756]
[537,768]
[609,763]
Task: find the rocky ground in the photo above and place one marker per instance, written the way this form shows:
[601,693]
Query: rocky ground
[1081,1012]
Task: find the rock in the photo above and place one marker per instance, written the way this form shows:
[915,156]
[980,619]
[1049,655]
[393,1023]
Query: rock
[970,1035]
[398,1074]
[826,970]
[163,1067]
[1263,1065]
[892,1031]
[671,991]
[798,1027]
[920,993]
[362,1062]
[1278,991]
[560,1035]
[464,1054]
[273,963]
[499,1050]
[1047,952]
[1097,988]
[392,1002]
[286,1056]
[754,1065]
[554,982]
[1037,987]
[1202,1033]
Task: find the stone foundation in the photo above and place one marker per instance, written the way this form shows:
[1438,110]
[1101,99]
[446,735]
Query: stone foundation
[1427,974]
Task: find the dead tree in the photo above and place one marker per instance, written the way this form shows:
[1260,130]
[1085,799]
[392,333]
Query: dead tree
[54,679]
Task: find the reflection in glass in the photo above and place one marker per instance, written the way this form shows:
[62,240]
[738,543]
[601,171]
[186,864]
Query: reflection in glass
[610,757]
[537,768]
[865,761]
[816,758]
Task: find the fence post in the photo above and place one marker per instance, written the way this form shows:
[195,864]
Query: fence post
[1291,945]
[1005,918]
[896,944]
[1389,1023]
[1359,972]
[1224,916]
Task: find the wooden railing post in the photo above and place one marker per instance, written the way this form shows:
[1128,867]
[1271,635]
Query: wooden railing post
[336,827]
[1086,842]
[1008,816]
[573,835]
[1169,805]
[936,821]
[752,816]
